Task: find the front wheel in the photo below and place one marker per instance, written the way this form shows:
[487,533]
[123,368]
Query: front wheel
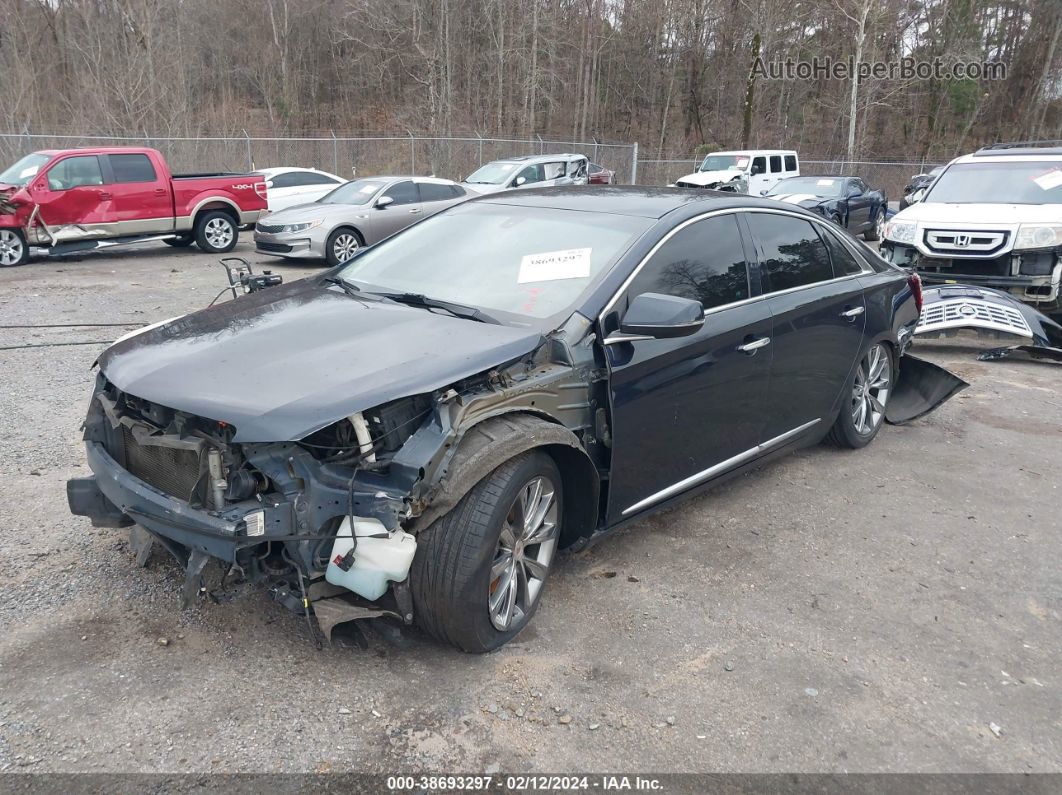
[480,570]
[215,232]
[863,411]
[342,244]
[13,248]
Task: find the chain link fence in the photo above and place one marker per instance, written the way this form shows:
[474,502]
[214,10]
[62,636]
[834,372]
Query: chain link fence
[889,176]
[452,157]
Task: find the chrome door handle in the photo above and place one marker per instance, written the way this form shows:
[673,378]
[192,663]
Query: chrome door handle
[854,312]
[755,345]
[414,211]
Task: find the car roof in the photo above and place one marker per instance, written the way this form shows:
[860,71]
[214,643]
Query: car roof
[754,152]
[633,200]
[543,158]
[283,169]
[1052,155]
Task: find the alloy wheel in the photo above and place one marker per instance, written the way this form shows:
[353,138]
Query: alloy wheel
[524,553]
[11,248]
[218,232]
[345,246]
[870,392]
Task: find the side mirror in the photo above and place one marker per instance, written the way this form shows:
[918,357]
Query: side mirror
[662,316]
[520,181]
[383,201]
[763,192]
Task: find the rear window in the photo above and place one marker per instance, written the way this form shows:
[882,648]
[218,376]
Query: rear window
[132,168]
[434,192]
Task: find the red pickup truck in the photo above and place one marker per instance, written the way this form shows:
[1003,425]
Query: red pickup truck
[78,199]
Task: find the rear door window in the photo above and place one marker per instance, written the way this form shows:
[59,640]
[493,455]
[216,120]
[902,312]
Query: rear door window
[776,164]
[132,168]
[791,252]
[435,192]
[704,261]
[844,262]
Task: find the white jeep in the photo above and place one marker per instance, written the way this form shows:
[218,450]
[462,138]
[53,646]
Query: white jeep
[751,171]
[993,218]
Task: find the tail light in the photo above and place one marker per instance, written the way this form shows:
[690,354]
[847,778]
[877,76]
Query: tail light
[914,281]
[261,189]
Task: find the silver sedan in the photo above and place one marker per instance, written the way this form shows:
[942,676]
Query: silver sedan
[356,214]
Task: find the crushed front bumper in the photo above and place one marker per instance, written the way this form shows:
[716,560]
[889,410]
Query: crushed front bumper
[113,493]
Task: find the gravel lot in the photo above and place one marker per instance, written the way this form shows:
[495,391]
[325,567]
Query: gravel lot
[898,608]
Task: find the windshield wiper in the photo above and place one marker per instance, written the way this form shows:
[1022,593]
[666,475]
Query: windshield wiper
[457,310]
[350,289]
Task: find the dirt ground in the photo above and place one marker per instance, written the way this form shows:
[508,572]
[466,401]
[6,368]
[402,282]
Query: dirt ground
[893,609]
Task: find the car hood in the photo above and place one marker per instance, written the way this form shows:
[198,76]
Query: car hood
[311,211]
[482,188]
[284,362]
[940,213]
[710,177]
[801,199]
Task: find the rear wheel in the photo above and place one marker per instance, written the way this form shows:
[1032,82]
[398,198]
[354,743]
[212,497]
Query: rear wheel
[869,388]
[215,232]
[480,570]
[13,248]
[342,244]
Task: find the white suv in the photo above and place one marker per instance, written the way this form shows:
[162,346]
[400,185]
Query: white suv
[751,171]
[993,218]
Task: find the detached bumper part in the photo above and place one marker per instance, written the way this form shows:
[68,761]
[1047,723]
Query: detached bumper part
[922,386]
[84,497]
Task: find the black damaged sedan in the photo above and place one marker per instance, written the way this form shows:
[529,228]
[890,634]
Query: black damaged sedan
[416,433]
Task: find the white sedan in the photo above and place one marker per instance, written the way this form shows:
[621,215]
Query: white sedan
[287,186]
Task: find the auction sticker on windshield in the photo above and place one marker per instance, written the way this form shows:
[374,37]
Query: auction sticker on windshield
[1052,179]
[572,263]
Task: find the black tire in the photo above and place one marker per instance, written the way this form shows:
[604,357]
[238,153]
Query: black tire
[181,241]
[209,234]
[14,250]
[450,576]
[836,218]
[330,247]
[844,432]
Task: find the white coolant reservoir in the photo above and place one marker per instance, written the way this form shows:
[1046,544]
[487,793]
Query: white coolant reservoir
[379,558]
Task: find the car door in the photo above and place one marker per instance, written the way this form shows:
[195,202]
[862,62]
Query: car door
[758,176]
[683,407]
[404,209]
[436,196]
[73,199]
[819,316]
[142,201]
[859,204]
[531,175]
